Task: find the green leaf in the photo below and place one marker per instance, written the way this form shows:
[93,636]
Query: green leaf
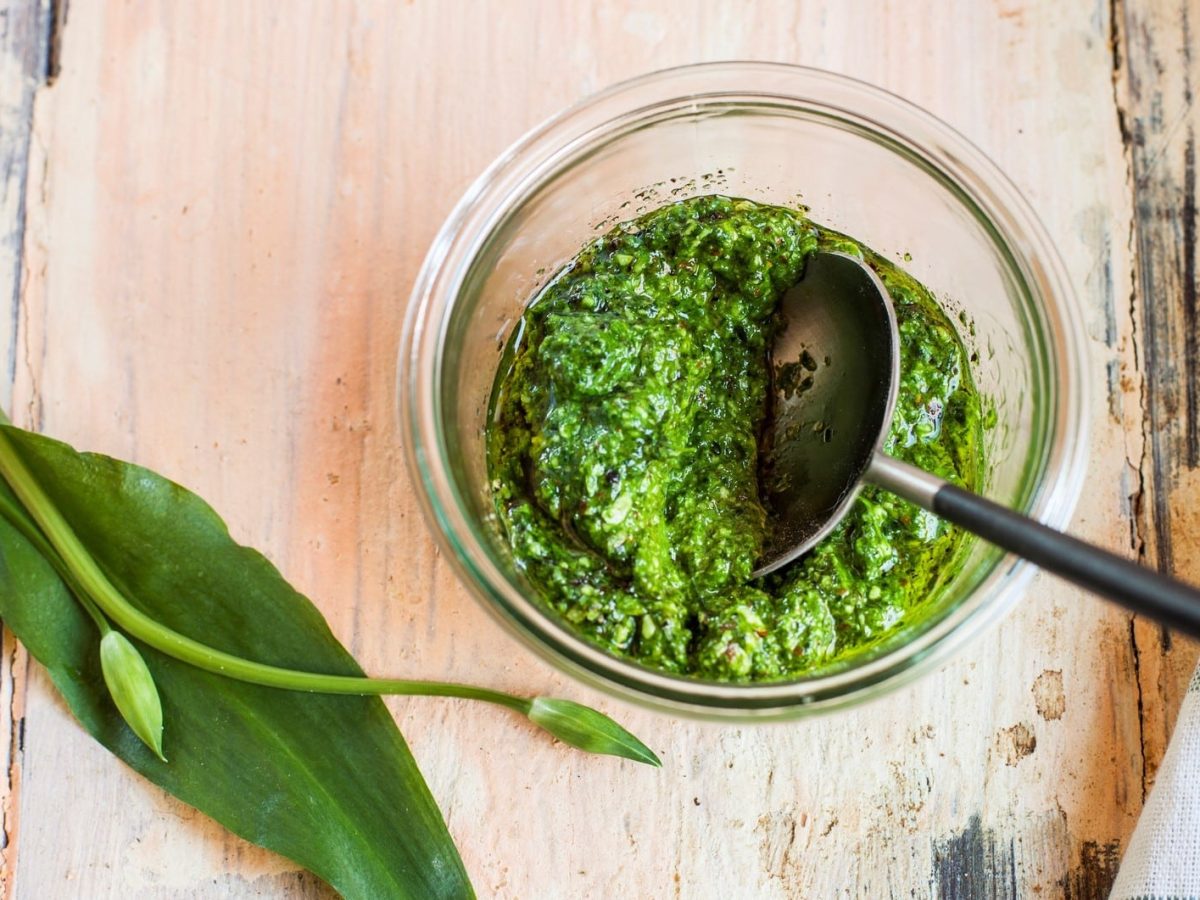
[586,728]
[132,688]
[327,781]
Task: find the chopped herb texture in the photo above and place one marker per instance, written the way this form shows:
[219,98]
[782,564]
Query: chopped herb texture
[625,448]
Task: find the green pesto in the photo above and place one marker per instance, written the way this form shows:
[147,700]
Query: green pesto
[625,445]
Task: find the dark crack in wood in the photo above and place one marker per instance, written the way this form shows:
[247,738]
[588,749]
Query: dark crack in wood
[975,864]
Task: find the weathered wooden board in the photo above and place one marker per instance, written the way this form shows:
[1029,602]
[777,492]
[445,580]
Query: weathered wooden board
[25,27]
[1158,73]
[230,206]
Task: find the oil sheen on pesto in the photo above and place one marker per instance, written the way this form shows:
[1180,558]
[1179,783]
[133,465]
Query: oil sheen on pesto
[624,450]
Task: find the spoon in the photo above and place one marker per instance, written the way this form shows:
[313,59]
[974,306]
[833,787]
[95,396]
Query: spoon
[831,418]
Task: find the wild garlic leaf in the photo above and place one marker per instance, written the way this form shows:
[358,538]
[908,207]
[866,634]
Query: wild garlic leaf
[327,781]
[132,688]
[588,729]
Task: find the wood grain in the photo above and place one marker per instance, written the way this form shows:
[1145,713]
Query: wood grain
[25,27]
[1155,45]
[231,203]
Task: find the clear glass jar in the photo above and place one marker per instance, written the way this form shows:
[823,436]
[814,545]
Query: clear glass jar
[867,163]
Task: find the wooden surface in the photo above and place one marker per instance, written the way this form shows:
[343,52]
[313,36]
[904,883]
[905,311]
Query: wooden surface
[224,207]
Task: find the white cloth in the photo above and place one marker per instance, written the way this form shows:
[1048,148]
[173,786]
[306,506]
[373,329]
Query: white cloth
[1163,859]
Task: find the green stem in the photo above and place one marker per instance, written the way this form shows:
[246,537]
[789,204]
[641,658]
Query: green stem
[92,610]
[18,518]
[87,579]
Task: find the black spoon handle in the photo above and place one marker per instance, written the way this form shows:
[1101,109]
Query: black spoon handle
[1145,591]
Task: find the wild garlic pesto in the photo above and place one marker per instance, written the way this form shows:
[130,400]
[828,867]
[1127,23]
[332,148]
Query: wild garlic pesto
[624,450]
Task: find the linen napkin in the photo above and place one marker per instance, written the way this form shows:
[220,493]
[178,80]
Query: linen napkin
[1163,859]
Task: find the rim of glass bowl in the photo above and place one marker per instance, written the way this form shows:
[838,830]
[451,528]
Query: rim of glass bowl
[1051,315]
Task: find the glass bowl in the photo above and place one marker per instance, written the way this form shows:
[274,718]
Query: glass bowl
[866,163]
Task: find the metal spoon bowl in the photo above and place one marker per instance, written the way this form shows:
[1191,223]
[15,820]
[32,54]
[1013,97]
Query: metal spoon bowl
[837,369]
[836,372]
